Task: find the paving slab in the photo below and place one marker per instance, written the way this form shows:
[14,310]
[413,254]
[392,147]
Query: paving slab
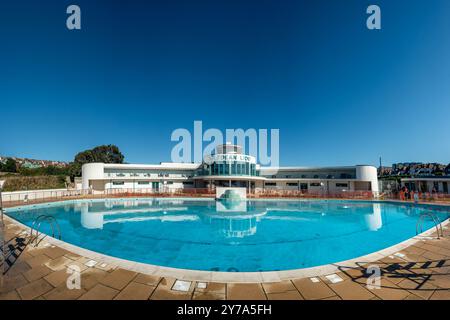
[278,287]
[349,290]
[100,292]
[34,289]
[118,279]
[287,295]
[245,291]
[313,290]
[135,291]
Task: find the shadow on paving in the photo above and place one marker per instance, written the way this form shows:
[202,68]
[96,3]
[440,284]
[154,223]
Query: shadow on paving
[417,272]
[13,248]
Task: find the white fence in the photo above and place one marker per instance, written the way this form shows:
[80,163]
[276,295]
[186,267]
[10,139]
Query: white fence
[61,194]
[38,194]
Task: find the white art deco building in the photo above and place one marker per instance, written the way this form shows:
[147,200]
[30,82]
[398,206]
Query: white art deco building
[227,167]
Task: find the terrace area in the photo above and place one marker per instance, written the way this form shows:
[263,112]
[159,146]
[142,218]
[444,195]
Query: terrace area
[417,270]
[11,199]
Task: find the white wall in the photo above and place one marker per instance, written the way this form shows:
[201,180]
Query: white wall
[369,174]
[92,171]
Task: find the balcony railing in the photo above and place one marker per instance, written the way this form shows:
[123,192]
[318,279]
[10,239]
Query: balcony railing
[145,175]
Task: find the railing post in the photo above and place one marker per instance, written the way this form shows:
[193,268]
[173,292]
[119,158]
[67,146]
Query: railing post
[2,182]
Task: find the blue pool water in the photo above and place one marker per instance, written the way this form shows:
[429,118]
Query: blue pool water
[257,235]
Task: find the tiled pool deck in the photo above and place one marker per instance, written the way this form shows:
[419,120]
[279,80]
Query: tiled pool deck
[418,269]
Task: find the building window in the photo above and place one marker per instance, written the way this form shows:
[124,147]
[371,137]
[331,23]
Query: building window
[143,182]
[292,184]
[436,186]
[118,183]
[315,184]
[342,185]
[270,184]
[303,186]
[188,183]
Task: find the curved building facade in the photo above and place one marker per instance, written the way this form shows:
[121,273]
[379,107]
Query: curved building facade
[228,166]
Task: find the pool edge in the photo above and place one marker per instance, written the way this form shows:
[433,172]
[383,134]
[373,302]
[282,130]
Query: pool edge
[235,277]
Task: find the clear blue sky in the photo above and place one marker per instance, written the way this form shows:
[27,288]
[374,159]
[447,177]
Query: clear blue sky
[339,93]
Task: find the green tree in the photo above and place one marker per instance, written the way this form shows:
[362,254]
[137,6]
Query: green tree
[104,153]
[9,166]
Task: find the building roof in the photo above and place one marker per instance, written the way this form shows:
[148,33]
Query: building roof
[306,168]
[194,166]
[161,166]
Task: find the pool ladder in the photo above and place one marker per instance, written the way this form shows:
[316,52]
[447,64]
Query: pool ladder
[437,224]
[1,209]
[53,224]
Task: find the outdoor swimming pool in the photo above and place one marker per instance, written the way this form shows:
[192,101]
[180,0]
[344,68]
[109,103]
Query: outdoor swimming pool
[246,236]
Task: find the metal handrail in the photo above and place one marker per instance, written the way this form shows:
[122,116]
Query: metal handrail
[2,222]
[437,224]
[52,221]
[1,208]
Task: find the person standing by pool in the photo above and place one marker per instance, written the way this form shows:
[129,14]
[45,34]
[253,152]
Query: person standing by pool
[434,194]
[401,194]
[416,197]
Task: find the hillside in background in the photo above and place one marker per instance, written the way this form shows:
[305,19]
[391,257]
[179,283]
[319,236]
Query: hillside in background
[22,183]
[415,169]
[33,163]
[32,174]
